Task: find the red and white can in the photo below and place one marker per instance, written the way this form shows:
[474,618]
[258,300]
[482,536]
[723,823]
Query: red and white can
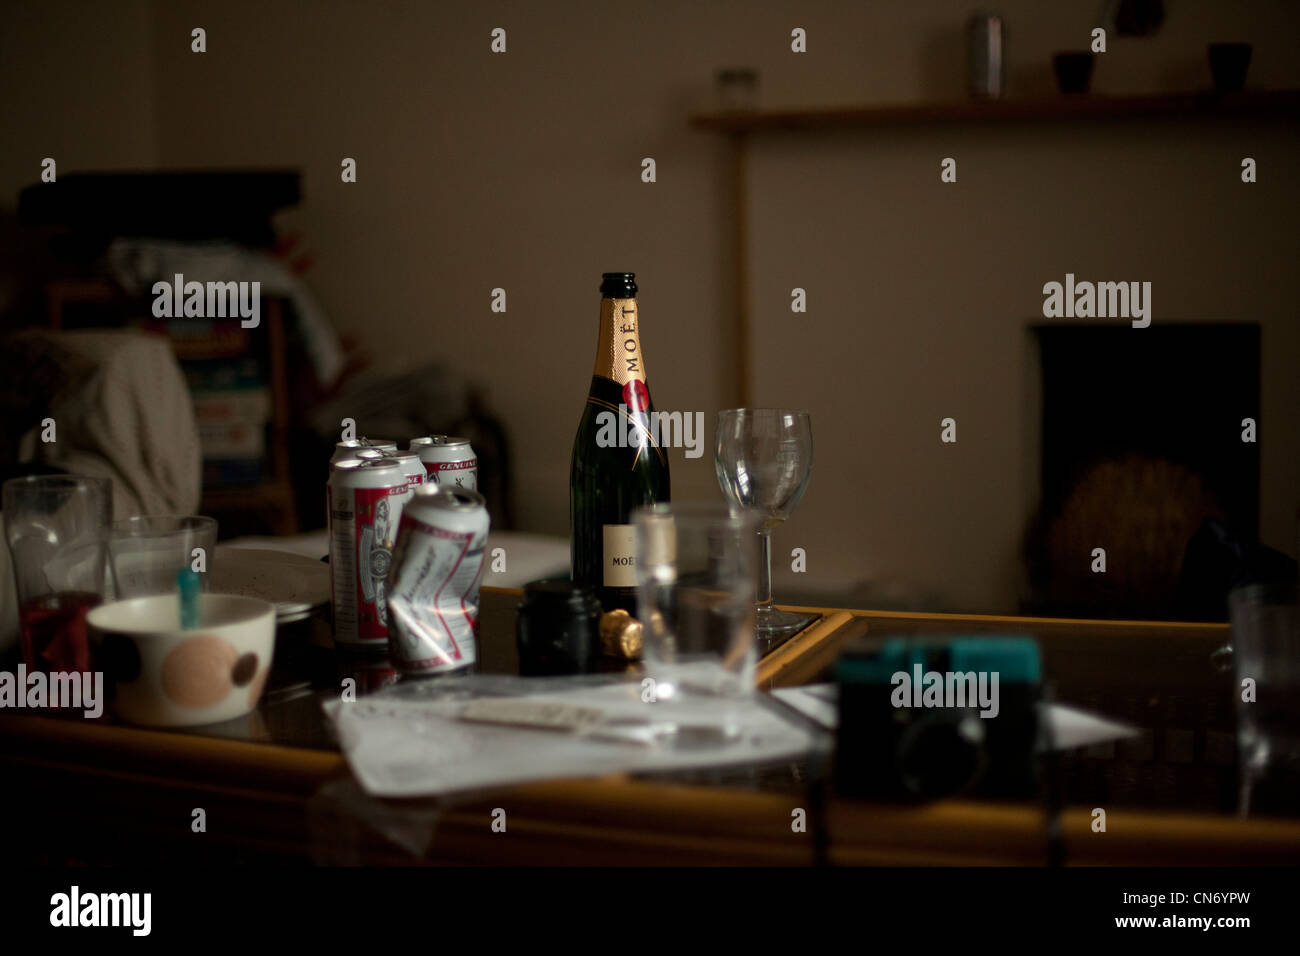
[365,499]
[434,583]
[408,461]
[448,460]
[348,449]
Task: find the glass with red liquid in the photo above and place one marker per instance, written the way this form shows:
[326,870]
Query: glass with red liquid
[57,530]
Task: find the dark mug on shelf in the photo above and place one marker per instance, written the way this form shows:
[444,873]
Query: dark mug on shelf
[1228,65]
[1073,71]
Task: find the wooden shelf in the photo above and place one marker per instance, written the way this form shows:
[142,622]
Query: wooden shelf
[1281,103]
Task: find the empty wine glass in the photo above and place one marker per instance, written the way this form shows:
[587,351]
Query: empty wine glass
[763,458]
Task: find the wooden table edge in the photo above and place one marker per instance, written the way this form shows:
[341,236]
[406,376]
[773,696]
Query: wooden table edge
[752,824]
[615,814]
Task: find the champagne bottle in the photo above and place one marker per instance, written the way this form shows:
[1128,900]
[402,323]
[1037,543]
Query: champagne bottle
[618,464]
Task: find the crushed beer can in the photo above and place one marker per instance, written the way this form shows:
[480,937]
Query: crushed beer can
[433,585]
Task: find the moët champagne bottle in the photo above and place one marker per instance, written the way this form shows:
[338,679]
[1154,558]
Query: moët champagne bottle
[618,463]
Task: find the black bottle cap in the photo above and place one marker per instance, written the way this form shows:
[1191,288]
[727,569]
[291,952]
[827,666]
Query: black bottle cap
[559,594]
[557,630]
[618,285]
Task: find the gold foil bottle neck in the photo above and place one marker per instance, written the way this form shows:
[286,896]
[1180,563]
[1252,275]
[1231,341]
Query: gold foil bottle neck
[618,351]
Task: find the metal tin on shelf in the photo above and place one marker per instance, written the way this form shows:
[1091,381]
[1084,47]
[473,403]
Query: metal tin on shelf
[986,42]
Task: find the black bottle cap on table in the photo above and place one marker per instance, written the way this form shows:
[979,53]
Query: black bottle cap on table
[618,285]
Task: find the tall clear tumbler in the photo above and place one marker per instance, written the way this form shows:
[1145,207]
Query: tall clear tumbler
[145,552]
[695,599]
[57,530]
[1266,656]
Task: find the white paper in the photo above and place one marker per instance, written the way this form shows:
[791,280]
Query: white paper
[405,748]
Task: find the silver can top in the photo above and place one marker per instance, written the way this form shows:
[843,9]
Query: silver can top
[367,443]
[438,440]
[376,454]
[449,499]
[369,464]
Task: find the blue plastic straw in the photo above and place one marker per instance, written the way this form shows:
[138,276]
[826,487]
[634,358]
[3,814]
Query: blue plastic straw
[187,583]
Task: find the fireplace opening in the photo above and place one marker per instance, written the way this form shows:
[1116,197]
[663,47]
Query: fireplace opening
[1141,448]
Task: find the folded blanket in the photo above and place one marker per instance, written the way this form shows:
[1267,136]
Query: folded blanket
[130,419]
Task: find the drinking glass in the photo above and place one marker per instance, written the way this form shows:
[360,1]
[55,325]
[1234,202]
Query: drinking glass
[695,599]
[146,552]
[763,458]
[57,528]
[1266,649]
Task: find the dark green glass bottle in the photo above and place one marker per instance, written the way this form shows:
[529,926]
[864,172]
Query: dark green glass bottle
[618,463]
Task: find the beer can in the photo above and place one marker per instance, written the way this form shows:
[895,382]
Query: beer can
[448,460]
[987,56]
[348,449]
[408,461]
[365,499]
[434,583]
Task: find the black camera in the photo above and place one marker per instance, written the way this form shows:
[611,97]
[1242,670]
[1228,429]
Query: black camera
[922,718]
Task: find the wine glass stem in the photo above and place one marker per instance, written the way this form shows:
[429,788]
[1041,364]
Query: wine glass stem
[765,568]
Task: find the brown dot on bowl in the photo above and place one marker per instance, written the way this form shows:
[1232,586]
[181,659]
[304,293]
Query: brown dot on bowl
[244,669]
[196,672]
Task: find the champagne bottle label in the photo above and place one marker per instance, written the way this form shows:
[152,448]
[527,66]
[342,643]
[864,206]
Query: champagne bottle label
[618,358]
[620,556]
[618,353]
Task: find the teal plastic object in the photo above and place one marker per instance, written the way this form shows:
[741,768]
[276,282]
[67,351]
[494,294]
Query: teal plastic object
[188,588]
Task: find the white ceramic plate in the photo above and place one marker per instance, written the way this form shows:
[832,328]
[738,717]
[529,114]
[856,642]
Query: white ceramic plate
[295,584]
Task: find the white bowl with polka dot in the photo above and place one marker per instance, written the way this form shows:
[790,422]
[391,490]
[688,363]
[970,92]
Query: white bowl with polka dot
[163,676]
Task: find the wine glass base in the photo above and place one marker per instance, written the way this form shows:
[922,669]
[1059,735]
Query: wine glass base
[773,626]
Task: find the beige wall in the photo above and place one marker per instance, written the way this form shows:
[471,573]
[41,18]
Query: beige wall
[76,85]
[522,171]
